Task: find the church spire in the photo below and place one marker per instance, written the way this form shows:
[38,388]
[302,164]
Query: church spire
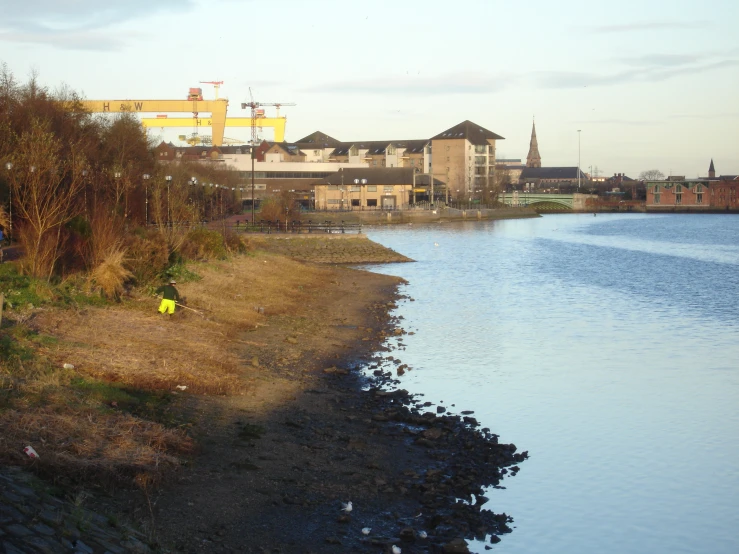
[533,159]
[711,170]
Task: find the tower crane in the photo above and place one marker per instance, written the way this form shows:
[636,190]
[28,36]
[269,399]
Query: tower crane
[257,112]
[216,85]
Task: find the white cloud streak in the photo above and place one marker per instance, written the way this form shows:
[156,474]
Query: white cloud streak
[77,24]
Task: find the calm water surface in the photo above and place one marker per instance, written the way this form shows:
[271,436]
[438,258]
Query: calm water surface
[608,347]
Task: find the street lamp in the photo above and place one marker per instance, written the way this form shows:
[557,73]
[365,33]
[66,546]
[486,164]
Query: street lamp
[578,160]
[146,178]
[9,166]
[84,179]
[168,178]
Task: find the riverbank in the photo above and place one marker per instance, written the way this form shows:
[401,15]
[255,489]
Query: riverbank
[264,377]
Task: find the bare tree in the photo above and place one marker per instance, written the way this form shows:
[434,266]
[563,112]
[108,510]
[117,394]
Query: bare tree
[651,175]
[172,209]
[44,186]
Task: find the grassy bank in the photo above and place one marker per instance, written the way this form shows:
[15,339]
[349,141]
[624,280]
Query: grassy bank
[96,387]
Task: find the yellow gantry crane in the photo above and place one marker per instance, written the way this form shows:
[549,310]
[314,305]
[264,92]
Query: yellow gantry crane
[216,108]
[276,123]
[195,104]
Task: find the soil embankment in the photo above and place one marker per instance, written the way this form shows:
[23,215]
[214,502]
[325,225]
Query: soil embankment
[287,433]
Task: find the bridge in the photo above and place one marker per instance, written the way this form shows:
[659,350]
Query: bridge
[541,201]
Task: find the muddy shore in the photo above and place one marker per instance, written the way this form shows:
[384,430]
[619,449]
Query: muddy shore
[277,462]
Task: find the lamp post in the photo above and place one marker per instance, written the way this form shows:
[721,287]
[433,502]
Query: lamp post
[116,175]
[578,160]
[84,179]
[9,167]
[146,178]
[168,178]
[253,155]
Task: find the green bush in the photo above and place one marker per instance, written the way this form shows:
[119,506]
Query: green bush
[203,244]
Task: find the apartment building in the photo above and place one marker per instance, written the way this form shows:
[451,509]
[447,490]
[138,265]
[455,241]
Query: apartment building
[464,158]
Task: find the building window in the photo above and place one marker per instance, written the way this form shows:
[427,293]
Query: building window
[355,188]
[355,202]
[332,201]
[372,202]
[679,194]
[699,194]
[388,188]
[371,188]
[391,150]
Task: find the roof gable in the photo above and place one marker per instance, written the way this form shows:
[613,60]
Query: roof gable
[318,139]
[470,131]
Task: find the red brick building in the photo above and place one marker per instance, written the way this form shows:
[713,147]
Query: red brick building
[678,193]
[725,193]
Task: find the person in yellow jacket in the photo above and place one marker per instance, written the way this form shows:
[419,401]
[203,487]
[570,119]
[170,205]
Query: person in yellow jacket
[170,296]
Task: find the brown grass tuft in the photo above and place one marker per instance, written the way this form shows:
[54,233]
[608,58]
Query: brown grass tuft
[110,275]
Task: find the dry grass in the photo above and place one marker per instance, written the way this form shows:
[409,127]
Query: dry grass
[90,444]
[231,292]
[110,275]
[132,345]
[140,348]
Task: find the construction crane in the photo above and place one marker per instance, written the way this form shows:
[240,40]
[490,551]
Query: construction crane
[216,85]
[256,112]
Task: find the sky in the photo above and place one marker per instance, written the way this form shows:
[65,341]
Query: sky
[622,87]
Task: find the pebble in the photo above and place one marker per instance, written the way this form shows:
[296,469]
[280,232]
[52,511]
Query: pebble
[34,521]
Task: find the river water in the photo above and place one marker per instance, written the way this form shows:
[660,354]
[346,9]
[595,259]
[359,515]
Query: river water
[608,347]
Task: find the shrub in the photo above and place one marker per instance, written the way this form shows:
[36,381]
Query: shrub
[202,244]
[110,274]
[148,257]
[235,243]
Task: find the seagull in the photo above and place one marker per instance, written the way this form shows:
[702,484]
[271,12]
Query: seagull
[423,534]
[347,507]
[396,549]
[366,530]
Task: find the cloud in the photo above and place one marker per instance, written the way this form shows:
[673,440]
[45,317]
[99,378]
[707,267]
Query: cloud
[724,115]
[645,73]
[77,24]
[460,83]
[648,26]
[72,40]
[666,60]
[630,122]
[648,68]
